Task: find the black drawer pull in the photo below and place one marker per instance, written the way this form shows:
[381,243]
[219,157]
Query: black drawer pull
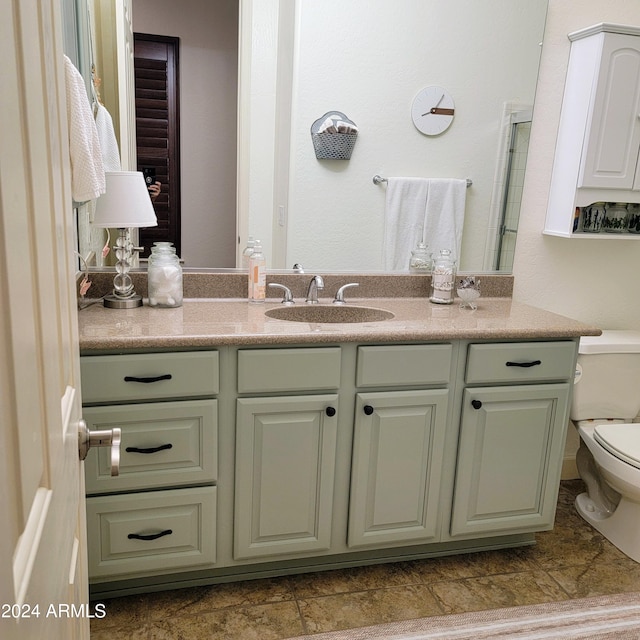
[166,376]
[162,447]
[151,536]
[330,411]
[476,404]
[368,409]
[532,363]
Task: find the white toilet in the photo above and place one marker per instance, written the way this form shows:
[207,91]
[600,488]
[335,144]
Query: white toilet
[606,398]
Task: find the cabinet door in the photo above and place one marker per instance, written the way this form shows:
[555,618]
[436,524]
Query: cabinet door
[397,463]
[510,451]
[612,140]
[285,459]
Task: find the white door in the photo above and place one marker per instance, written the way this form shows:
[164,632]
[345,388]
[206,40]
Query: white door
[42,523]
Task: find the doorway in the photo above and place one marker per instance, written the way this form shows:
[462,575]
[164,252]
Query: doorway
[156,64]
[512,193]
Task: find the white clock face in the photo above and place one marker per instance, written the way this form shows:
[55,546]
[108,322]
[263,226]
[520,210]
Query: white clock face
[432,110]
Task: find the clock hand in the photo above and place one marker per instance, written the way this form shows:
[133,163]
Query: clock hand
[432,110]
[440,111]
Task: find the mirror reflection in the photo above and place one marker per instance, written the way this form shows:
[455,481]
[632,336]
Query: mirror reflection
[295,60]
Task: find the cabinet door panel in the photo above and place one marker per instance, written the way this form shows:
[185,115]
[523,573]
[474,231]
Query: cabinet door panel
[285,459]
[511,443]
[613,137]
[397,463]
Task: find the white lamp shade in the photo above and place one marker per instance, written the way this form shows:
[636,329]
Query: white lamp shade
[126,202]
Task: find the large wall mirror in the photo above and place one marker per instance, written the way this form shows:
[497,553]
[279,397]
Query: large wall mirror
[255,74]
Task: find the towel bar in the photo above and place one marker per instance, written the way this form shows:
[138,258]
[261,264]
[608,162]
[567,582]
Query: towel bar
[379,180]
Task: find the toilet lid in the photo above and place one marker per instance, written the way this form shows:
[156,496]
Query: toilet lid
[622,440]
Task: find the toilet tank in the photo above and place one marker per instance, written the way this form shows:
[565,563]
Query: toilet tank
[607,382]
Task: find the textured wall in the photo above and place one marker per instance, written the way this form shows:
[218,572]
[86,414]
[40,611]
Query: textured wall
[593,281]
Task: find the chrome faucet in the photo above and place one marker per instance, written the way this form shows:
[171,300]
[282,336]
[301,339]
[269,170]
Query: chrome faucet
[316,284]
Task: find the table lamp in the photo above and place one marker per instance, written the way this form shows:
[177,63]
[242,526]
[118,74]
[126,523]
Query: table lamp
[125,204]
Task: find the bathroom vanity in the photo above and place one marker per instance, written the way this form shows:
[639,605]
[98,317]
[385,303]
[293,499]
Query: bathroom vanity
[253,446]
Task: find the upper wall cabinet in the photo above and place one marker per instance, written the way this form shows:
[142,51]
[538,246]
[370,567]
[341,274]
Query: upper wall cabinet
[598,145]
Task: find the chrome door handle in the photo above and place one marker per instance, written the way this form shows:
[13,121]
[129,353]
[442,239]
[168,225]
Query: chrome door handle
[100,438]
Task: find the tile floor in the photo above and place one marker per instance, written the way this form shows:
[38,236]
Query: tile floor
[572,561]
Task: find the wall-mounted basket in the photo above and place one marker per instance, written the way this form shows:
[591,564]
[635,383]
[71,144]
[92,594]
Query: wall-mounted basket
[333,146]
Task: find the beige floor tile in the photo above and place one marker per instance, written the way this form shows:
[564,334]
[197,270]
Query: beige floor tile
[203,599]
[600,579]
[357,609]
[470,565]
[123,633]
[130,612]
[262,622]
[325,583]
[492,592]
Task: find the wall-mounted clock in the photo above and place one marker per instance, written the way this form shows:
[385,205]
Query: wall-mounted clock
[432,110]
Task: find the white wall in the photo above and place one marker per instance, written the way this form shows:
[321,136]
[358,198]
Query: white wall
[208,32]
[368,59]
[593,281]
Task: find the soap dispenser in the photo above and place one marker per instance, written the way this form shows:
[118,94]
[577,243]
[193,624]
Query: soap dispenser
[257,274]
[246,253]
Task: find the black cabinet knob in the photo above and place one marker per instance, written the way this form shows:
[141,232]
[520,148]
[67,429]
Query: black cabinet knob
[330,411]
[368,409]
[476,404]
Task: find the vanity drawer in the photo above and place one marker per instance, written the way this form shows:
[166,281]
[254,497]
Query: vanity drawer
[402,365]
[149,376]
[163,444]
[179,526]
[270,370]
[520,362]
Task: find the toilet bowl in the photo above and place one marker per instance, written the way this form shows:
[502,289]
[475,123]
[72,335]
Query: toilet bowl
[608,384]
[611,504]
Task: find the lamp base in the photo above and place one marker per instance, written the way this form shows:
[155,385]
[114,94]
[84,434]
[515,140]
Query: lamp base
[113,302]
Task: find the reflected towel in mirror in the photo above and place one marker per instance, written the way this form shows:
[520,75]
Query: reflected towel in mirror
[427,209]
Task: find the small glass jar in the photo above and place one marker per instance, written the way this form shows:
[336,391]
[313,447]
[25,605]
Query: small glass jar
[443,277]
[616,218]
[420,261]
[164,276]
[634,217]
[592,217]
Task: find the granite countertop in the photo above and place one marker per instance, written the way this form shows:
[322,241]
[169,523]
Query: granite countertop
[207,322]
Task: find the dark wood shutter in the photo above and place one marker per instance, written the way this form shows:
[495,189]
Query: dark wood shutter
[157,130]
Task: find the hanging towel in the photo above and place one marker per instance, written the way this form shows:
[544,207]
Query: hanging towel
[428,209]
[445,215]
[107,137]
[87,169]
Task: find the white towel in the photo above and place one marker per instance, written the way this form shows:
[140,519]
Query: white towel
[427,209]
[108,142]
[87,169]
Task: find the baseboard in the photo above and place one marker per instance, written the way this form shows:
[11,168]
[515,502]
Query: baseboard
[569,469]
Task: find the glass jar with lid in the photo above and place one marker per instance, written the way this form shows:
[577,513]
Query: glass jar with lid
[164,276]
[634,217]
[443,276]
[420,261]
[615,218]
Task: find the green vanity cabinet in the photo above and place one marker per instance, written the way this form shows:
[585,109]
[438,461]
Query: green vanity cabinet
[291,458]
[159,514]
[285,461]
[512,437]
[397,466]
[285,451]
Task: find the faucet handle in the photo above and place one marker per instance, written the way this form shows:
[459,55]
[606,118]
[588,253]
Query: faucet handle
[339,299]
[287,297]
